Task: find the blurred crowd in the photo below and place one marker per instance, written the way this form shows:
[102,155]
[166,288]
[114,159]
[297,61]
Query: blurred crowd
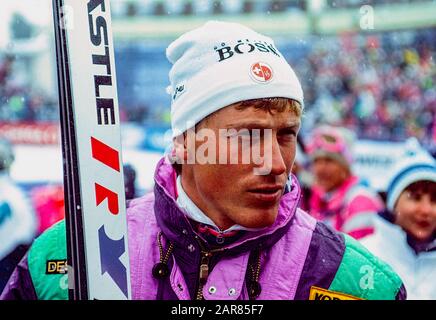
[358,3]
[20,101]
[380,86]
[130,8]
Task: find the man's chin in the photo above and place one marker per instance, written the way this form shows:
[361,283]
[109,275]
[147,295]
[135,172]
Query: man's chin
[258,220]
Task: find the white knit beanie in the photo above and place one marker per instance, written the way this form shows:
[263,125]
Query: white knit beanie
[221,63]
[412,168]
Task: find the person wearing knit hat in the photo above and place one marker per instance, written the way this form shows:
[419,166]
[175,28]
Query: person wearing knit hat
[337,196]
[405,233]
[220,225]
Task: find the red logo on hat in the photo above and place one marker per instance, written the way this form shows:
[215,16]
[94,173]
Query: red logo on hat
[261,72]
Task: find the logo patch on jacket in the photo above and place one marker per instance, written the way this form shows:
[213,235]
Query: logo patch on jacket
[324,294]
[56,267]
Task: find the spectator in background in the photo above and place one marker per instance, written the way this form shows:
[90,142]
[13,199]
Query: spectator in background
[299,169]
[405,232]
[129,181]
[337,196]
[17,219]
[49,205]
[5,69]
[49,202]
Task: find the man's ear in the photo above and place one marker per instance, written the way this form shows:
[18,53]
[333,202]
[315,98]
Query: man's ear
[180,148]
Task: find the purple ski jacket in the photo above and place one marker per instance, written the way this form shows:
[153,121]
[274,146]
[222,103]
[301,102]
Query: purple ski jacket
[299,257]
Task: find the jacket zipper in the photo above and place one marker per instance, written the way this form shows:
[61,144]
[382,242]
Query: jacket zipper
[204,267]
[204,273]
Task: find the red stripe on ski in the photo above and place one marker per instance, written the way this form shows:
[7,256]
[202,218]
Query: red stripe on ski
[103,153]
[102,193]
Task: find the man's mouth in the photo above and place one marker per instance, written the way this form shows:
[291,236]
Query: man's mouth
[268,193]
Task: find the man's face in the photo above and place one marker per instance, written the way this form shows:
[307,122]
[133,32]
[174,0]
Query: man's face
[329,173]
[231,193]
[415,212]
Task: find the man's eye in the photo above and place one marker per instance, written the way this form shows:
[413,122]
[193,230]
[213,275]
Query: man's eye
[288,133]
[246,133]
[250,133]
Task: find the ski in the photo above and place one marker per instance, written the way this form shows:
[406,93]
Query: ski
[97,249]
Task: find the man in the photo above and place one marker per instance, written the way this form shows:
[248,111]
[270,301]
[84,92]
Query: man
[405,233]
[223,222]
[338,197]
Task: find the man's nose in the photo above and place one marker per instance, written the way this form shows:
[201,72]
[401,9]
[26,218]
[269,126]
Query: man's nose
[272,162]
[278,165]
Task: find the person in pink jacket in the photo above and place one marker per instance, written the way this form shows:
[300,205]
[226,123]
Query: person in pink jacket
[338,197]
